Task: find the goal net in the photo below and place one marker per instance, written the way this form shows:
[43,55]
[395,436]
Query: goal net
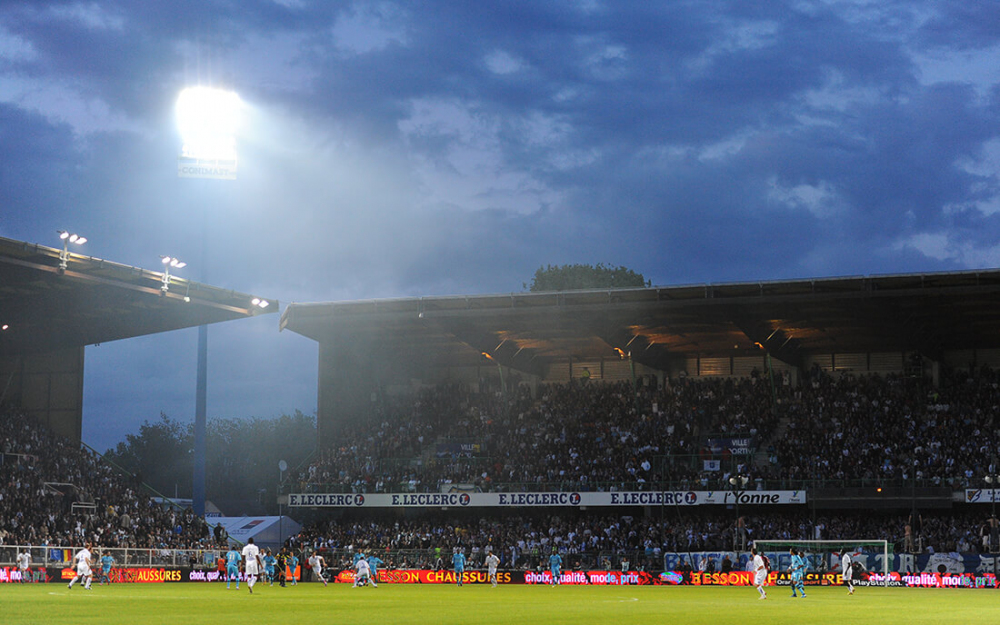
[822,556]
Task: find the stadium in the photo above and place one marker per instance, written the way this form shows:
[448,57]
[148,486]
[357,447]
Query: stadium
[646,437]
[792,416]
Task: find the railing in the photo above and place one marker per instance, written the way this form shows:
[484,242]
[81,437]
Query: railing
[533,558]
[372,482]
[530,559]
[956,483]
[56,556]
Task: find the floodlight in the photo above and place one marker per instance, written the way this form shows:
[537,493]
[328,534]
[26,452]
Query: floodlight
[168,262]
[260,303]
[208,119]
[4,327]
[67,238]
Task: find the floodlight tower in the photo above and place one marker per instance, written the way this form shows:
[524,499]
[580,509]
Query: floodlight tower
[207,119]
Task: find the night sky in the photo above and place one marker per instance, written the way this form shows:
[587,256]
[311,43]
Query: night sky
[396,149]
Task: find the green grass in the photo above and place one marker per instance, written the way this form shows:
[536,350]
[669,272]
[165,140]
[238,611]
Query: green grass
[188,604]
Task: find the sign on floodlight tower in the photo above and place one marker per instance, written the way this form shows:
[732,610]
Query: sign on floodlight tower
[208,119]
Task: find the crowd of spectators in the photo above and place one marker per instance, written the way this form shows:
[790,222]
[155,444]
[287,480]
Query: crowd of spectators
[614,436]
[54,492]
[833,427]
[892,428]
[582,436]
[525,541]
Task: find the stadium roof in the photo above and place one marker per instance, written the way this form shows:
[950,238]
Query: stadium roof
[928,313]
[94,300]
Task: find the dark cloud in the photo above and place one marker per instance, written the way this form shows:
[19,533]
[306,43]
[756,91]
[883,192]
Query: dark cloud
[37,162]
[430,148]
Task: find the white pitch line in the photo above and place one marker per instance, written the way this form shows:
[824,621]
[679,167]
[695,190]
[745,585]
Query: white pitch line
[130,597]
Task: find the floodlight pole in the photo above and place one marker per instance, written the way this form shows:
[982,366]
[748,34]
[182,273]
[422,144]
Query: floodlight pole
[197,161]
[201,397]
[282,465]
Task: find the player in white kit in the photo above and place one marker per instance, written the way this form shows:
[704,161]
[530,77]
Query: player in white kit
[492,561]
[251,563]
[759,570]
[316,562]
[847,571]
[362,573]
[23,564]
[82,560]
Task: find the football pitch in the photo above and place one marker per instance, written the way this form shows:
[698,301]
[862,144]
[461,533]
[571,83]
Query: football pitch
[474,604]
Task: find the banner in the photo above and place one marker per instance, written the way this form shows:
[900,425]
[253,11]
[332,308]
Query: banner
[777,577]
[221,169]
[935,580]
[735,446]
[595,578]
[568,578]
[732,578]
[429,576]
[131,575]
[467,450]
[982,495]
[12,575]
[527,500]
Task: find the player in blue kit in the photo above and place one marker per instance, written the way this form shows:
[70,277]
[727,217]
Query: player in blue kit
[373,563]
[269,562]
[233,558]
[798,570]
[106,563]
[555,567]
[459,561]
[293,566]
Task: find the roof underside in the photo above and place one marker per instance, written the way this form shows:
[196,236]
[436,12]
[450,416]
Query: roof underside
[928,313]
[96,301]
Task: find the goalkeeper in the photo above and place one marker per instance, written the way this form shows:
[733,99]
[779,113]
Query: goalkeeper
[797,570]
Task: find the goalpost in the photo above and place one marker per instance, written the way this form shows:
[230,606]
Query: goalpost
[824,548]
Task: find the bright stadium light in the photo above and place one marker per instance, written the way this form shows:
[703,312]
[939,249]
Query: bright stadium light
[67,238]
[168,262]
[208,120]
[260,303]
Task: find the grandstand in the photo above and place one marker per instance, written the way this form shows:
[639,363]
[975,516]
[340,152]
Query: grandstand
[661,428]
[52,313]
[881,324]
[61,493]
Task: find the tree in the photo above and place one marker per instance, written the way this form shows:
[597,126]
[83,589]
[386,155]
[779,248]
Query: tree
[243,454]
[160,455]
[578,277]
[241,458]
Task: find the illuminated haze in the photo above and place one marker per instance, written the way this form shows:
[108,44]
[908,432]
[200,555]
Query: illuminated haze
[411,148]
